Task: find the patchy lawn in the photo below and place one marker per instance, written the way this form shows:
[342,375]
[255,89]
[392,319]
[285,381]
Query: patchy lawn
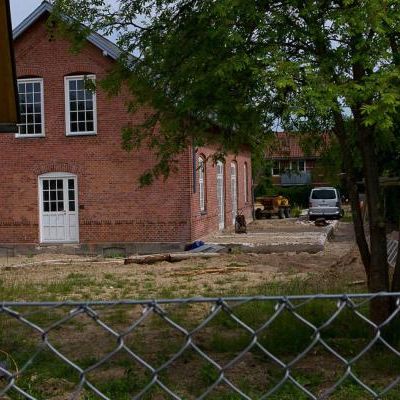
[76,278]
[85,342]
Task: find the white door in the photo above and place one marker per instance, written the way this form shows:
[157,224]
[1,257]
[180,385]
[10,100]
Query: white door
[234,191]
[58,208]
[220,195]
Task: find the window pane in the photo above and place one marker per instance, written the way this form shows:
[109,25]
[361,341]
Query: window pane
[74,116]
[72,85]
[90,127]
[59,183]
[71,194]
[60,195]
[45,185]
[81,95]
[52,184]
[60,206]
[46,207]
[81,127]
[71,184]
[80,84]
[74,127]
[46,196]
[38,128]
[72,206]
[31,129]
[53,206]
[53,195]
[72,96]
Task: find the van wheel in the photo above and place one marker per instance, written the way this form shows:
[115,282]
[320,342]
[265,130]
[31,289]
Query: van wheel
[287,213]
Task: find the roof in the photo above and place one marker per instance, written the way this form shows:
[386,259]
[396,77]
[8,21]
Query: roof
[288,146]
[108,48]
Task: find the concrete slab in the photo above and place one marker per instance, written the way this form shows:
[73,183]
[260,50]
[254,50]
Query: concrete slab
[274,236]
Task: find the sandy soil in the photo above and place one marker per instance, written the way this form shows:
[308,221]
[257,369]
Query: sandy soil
[38,277]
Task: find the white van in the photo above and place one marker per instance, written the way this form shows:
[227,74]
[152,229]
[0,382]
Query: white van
[324,202]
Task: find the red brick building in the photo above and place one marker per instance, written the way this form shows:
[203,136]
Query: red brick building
[65,178]
[292,166]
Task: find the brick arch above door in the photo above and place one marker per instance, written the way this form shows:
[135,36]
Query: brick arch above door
[47,167]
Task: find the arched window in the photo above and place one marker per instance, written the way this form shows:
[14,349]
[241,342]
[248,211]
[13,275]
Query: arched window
[234,191]
[246,183]
[202,184]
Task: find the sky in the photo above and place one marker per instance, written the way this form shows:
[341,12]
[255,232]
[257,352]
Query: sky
[20,9]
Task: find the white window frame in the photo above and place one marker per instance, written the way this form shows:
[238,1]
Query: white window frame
[246,183]
[298,166]
[234,191]
[67,107]
[202,191]
[34,135]
[279,166]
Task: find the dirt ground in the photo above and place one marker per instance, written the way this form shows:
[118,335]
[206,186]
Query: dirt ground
[71,277]
[82,340]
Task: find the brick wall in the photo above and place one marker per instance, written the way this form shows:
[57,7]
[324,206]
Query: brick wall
[205,222]
[112,206]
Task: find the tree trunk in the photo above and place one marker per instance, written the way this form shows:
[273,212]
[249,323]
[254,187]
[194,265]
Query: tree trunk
[351,184]
[379,271]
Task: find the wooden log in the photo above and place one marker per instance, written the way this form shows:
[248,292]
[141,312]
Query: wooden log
[175,257]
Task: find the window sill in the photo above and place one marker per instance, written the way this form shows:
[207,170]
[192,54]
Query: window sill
[81,134]
[29,136]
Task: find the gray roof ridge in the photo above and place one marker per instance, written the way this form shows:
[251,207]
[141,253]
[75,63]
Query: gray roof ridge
[108,47]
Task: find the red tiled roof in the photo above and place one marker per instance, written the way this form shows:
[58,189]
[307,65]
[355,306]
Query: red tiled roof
[288,146]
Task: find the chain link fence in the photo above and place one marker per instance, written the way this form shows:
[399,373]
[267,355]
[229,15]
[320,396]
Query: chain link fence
[295,347]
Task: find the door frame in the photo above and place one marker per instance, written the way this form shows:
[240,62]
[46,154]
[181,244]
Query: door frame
[57,175]
[221,226]
[234,194]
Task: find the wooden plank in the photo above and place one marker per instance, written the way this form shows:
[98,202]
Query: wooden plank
[8,89]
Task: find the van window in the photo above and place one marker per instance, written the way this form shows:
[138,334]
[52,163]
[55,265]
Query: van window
[323,194]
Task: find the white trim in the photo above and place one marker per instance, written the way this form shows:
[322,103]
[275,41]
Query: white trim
[57,175]
[221,195]
[202,188]
[43,133]
[234,191]
[67,109]
[246,182]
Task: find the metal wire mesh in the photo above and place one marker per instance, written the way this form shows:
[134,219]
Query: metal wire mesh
[265,347]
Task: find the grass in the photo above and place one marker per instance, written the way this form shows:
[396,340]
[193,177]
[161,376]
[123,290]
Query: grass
[223,338]
[155,340]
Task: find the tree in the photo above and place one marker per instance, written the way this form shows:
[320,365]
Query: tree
[228,70]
